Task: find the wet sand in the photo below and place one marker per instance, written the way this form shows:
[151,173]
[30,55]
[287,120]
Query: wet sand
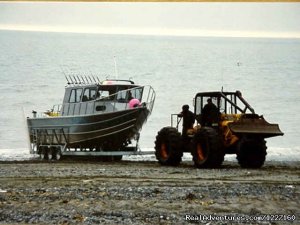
[134,192]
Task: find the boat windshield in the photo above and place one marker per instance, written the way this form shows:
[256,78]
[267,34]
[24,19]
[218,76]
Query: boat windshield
[120,93]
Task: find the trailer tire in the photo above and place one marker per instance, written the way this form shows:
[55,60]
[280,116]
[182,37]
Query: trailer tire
[42,153]
[207,148]
[168,147]
[57,153]
[49,153]
[251,152]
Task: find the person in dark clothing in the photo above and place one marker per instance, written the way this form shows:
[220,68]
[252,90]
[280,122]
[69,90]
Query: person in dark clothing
[188,119]
[210,113]
[129,97]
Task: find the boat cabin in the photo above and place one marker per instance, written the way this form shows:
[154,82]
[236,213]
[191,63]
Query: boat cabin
[100,98]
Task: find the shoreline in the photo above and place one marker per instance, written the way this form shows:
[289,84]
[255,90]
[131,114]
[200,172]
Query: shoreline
[144,192]
[186,161]
[274,154]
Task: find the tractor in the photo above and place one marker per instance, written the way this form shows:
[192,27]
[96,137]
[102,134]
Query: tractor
[233,128]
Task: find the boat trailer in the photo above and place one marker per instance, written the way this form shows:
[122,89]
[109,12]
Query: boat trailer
[53,143]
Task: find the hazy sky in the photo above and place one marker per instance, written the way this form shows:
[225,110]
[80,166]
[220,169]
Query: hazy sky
[208,19]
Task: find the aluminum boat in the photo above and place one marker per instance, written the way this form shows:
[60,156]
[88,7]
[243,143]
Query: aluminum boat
[96,118]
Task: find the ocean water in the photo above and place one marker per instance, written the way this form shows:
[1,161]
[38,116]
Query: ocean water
[267,71]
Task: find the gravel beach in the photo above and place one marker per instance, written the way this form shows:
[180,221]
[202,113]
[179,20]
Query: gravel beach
[135,192]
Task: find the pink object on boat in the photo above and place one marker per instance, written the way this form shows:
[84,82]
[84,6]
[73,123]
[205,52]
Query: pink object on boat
[134,103]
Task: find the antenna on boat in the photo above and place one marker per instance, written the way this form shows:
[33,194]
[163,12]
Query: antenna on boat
[98,80]
[94,79]
[62,69]
[82,79]
[71,79]
[67,80]
[79,79]
[87,81]
[116,71]
[75,79]
[91,75]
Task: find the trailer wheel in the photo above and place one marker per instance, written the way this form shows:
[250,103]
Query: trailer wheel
[50,154]
[42,153]
[207,150]
[251,152]
[57,153]
[168,147]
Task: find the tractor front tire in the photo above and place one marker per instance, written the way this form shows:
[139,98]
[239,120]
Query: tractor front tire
[251,152]
[168,147]
[207,148]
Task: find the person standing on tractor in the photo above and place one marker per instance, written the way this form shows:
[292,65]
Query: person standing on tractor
[210,113]
[188,119]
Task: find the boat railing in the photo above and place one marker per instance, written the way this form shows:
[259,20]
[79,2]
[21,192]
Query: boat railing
[146,98]
[55,111]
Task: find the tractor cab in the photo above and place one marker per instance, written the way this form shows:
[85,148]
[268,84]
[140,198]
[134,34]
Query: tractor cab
[212,107]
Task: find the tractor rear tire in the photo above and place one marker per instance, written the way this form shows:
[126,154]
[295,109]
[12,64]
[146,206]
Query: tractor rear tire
[251,152]
[207,148]
[168,147]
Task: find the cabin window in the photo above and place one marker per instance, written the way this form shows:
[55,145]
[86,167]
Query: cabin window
[86,95]
[92,94]
[121,97]
[106,92]
[125,94]
[198,105]
[136,93]
[223,105]
[89,94]
[103,94]
[241,105]
[75,95]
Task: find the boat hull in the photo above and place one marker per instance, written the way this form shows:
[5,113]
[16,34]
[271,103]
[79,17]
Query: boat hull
[106,131]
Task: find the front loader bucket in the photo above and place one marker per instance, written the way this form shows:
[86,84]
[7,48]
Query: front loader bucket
[254,125]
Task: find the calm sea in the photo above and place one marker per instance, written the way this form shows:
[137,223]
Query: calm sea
[267,71]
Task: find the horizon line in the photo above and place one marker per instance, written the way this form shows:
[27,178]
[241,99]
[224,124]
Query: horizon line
[154,32]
